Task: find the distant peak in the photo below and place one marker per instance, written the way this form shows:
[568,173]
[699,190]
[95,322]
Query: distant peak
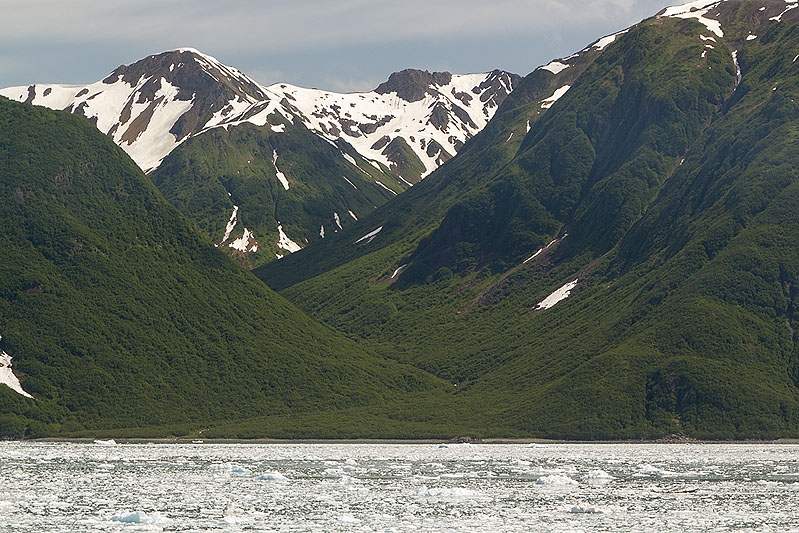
[413,84]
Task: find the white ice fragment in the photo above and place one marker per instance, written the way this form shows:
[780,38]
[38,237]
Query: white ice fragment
[560,294]
[105,442]
[272,476]
[547,103]
[556,480]
[555,66]
[586,509]
[444,493]
[136,517]
[7,376]
[370,236]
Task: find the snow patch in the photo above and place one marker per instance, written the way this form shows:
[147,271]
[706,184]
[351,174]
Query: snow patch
[779,17]
[285,243]
[751,37]
[547,103]
[351,183]
[605,41]
[231,224]
[397,272]
[242,243]
[738,75]
[557,296]
[352,214]
[386,188]
[322,231]
[555,67]
[338,220]
[370,236]
[696,10]
[280,128]
[280,176]
[7,377]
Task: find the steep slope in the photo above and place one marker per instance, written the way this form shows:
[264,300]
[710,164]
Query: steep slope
[115,312]
[382,142]
[620,262]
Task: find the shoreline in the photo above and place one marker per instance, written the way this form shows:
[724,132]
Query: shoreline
[488,441]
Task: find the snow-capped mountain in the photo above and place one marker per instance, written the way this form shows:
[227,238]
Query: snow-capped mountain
[411,124]
[429,115]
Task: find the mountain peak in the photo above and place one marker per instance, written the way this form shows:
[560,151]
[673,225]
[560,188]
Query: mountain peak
[412,84]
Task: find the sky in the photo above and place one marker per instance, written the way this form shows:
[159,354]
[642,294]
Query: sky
[338,45]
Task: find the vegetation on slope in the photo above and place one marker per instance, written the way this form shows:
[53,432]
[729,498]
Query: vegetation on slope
[118,313]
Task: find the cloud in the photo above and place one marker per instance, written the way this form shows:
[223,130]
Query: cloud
[345,44]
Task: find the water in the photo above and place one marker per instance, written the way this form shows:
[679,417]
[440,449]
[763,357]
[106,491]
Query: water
[381,487]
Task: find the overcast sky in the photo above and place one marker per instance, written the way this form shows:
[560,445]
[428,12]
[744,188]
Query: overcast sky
[342,45]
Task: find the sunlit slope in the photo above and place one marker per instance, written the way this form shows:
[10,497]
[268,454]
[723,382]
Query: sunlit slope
[626,269]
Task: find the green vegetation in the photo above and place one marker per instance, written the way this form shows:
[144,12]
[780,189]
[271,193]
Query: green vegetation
[210,173]
[118,313]
[679,195]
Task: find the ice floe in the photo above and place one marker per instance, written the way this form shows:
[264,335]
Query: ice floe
[272,476]
[556,480]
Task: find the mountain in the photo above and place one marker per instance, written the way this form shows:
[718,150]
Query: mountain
[116,312]
[266,170]
[613,256]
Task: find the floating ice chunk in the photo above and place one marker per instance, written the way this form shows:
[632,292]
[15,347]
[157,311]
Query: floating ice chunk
[556,480]
[547,103]
[599,474]
[443,445]
[105,442]
[370,236]
[272,476]
[445,493]
[555,66]
[587,509]
[536,444]
[560,294]
[136,517]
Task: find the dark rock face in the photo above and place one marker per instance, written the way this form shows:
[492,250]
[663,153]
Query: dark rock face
[210,85]
[412,84]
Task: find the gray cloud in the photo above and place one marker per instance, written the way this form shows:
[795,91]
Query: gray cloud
[304,38]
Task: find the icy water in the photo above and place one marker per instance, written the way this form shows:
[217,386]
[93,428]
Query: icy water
[381,487]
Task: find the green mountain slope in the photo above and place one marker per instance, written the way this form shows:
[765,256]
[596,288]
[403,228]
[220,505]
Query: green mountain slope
[210,174]
[668,193]
[118,313]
